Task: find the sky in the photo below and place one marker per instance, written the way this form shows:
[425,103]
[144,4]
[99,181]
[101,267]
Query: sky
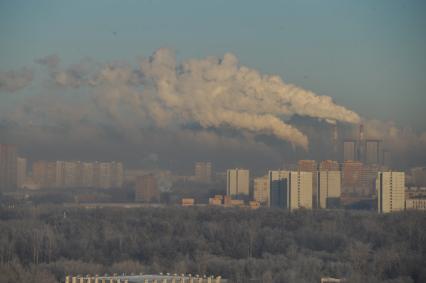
[368,56]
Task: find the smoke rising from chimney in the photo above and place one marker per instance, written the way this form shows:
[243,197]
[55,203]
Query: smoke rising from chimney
[213,93]
[161,93]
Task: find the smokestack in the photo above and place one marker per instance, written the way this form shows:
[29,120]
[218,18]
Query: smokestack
[335,132]
[161,93]
[361,143]
[334,139]
[361,133]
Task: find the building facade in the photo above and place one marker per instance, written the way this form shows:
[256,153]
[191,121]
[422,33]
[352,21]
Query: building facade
[21,170]
[330,165]
[415,204]
[261,190]
[350,150]
[146,189]
[390,188]
[278,188]
[290,189]
[373,151]
[310,166]
[238,183]
[367,179]
[351,173]
[8,167]
[39,170]
[300,190]
[203,172]
[76,174]
[329,189]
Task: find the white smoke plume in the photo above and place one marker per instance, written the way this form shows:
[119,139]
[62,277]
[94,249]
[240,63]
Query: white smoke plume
[212,93]
[404,143]
[210,104]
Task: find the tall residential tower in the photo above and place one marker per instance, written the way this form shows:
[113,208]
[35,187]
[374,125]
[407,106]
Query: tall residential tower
[8,167]
[390,188]
[237,184]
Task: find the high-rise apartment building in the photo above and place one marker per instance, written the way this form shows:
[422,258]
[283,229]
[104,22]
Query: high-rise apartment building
[118,175]
[300,190]
[8,170]
[146,189]
[21,168]
[278,186]
[329,165]
[40,173]
[329,188]
[351,173]
[76,174]
[237,183]
[203,172]
[87,173]
[96,174]
[51,174]
[261,190]
[307,165]
[71,174]
[373,152]
[105,174]
[290,189]
[310,166]
[350,150]
[60,174]
[367,179]
[390,188]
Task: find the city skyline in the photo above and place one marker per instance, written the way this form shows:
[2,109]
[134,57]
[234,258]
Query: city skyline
[212,141]
[227,103]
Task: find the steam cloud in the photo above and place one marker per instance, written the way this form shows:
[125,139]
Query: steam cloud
[196,105]
[405,144]
[211,93]
[208,94]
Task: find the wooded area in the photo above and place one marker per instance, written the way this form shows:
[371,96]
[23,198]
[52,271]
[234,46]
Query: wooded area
[43,243]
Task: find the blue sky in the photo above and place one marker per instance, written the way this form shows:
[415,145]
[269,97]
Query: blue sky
[368,55]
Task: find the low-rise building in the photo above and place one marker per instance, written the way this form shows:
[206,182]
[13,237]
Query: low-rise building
[188,202]
[254,204]
[216,200]
[415,204]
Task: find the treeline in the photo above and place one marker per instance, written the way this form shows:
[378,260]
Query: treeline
[42,244]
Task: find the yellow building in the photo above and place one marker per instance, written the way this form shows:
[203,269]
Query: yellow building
[188,202]
[215,201]
[390,188]
[290,189]
[415,204]
[237,182]
[261,190]
[330,165]
[300,193]
[254,204]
